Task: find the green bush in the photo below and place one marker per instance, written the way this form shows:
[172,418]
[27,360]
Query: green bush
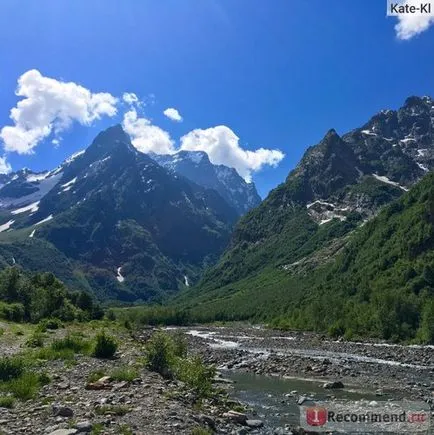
[13,312]
[51,324]
[105,346]
[111,315]
[7,402]
[25,386]
[160,354]
[197,375]
[35,340]
[11,368]
[180,344]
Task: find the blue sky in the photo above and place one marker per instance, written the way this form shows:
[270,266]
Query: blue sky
[277,74]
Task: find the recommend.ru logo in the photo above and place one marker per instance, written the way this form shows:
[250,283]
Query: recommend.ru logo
[367,417]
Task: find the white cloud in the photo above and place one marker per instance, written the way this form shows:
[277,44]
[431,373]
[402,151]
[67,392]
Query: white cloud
[223,147]
[130,98]
[410,25]
[5,167]
[51,106]
[145,136]
[173,114]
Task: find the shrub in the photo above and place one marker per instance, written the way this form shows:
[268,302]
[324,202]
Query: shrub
[160,353]
[35,340]
[7,402]
[12,312]
[197,375]
[180,345]
[49,324]
[11,368]
[24,387]
[111,315]
[105,346]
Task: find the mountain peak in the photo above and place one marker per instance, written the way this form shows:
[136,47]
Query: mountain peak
[413,101]
[331,134]
[196,166]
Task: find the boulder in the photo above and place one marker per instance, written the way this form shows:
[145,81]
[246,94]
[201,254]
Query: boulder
[236,417]
[333,385]
[254,424]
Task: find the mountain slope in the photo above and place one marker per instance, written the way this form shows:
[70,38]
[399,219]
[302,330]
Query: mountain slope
[129,228]
[377,281]
[338,184]
[196,166]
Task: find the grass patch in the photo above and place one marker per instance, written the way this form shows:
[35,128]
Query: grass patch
[97,429]
[112,410]
[124,373]
[35,340]
[73,343]
[49,354]
[201,431]
[24,387]
[7,402]
[96,375]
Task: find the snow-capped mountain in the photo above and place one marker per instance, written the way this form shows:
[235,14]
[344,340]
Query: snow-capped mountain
[112,220]
[196,166]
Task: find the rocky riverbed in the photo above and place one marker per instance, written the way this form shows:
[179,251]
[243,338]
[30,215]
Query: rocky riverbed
[372,369]
[405,371]
[149,404]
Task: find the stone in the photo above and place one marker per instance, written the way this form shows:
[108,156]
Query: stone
[62,411]
[301,400]
[84,426]
[254,424]
[237,417]
[64,432]
[209,421]
[64,385]
[101,384]
[333,385]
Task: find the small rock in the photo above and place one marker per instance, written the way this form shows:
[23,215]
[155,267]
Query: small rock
[333,385]
[101,384]
[209,421]
[237,417]
[64,385]
[119,385]
[64,432]
[62,411]
[84,426]
[301,400]
[255,424]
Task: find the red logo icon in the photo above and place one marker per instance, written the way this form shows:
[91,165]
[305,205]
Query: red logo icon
[316,416]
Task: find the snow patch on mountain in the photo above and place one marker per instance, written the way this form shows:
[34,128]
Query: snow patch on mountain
[388,181]
[48,218]
[31,207]
[119,276]
[6,226]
